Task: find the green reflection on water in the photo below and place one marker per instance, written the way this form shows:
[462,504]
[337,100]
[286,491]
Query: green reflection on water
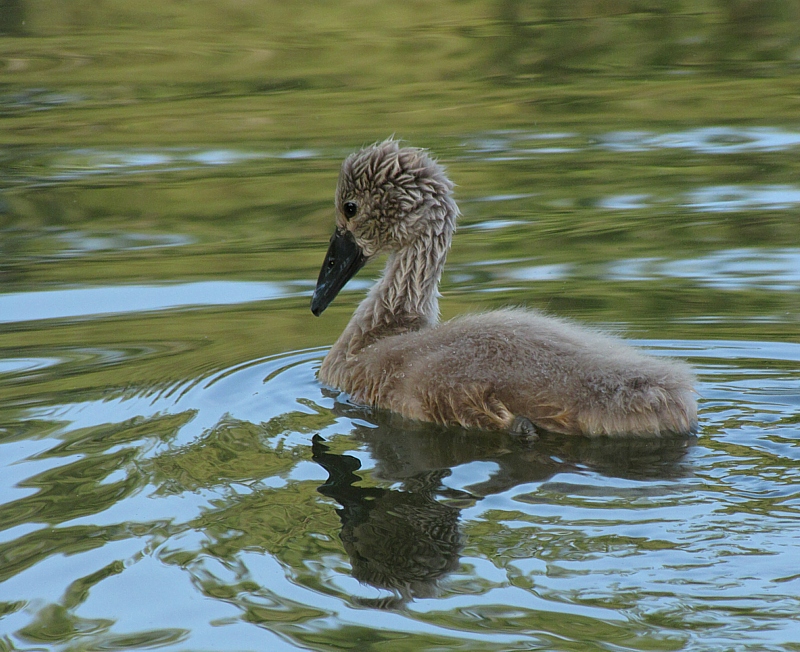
[224,71]
[629,164]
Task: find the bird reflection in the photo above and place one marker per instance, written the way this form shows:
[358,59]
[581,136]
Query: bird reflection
[403,448]
[400,540]
[405,540]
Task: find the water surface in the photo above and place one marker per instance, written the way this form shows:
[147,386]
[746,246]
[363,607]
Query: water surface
[175,477]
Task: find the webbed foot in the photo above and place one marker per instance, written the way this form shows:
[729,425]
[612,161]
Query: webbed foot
[523,427]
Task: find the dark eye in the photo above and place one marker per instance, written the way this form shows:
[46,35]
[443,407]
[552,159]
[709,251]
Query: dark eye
[350,209]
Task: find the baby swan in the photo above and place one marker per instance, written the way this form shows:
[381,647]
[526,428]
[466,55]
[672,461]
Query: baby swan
[511,370]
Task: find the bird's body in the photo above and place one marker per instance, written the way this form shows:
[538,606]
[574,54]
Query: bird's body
[494,370]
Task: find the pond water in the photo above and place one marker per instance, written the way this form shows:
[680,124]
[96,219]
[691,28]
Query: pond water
[174,476]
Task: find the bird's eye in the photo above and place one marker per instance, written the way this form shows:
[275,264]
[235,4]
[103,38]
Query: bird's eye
[350,209]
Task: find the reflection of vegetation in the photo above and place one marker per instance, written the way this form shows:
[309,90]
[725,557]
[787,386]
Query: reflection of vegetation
[87,482]
[80,486]
[89,84]
[272,70]
[263,78]
[35,547]
[58,623]
[247,519]
[234,451]
[405,539]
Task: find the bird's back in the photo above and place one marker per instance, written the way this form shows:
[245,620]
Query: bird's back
[561,376]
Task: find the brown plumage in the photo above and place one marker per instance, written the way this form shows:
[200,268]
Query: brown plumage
[508,369]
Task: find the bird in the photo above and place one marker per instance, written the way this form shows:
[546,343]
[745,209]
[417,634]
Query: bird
[515,369]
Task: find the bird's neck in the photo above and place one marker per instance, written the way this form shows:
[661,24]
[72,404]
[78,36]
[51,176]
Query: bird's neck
[406,298]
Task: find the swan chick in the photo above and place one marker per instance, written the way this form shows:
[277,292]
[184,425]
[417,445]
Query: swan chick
[514,369]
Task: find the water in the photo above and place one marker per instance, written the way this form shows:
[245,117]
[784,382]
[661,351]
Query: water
[173,475]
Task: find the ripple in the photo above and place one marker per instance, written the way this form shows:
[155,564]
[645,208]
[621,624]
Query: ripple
[82,242]
[746,350]
[23,365]
[505,197]
[733,269]
[515,145]
[540,273]
[90,302]
[280,389]
[707,140]
[37,99]
[714,199]
[42,361]
[723,199]
[624,202]
[492,225]
[78,164]
[48,243]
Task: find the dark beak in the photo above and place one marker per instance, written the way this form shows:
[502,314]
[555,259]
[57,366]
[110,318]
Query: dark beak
[342,262]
